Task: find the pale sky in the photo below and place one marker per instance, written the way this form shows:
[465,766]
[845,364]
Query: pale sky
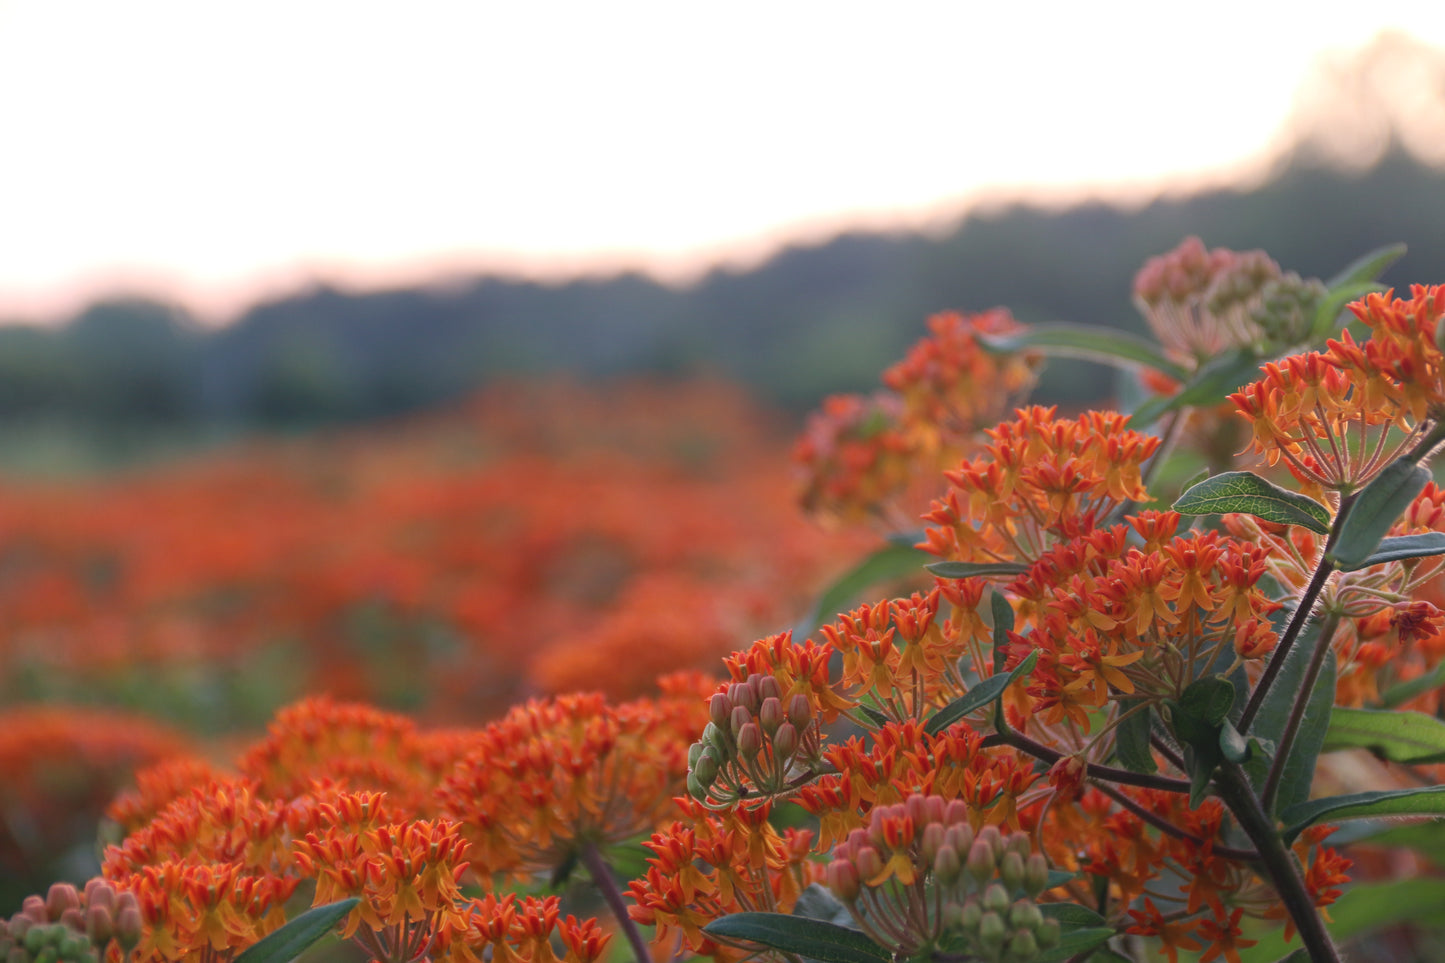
[214,152]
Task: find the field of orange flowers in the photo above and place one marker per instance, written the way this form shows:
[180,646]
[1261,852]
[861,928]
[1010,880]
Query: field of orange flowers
[1118,715]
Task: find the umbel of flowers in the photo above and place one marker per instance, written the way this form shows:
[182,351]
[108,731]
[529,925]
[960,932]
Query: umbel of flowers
[1093,725]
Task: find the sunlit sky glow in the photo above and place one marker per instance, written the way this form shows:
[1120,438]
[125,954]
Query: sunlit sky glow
[216,152]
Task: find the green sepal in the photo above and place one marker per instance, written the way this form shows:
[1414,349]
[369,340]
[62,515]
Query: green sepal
[291,940]
[979,696]
[813,939]
[1245,493]
[1377,506]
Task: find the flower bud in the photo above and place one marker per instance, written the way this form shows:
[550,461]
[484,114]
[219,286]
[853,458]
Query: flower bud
[995,899]
[785,742]
[1011,870]
[991,933]
[1048,934]
[994,839]
[99,925]
[1036,874]
[34,908]
[915,807]
[1019,843]
[19,926]
[969,916]
[768,688]
[1022,948]
[751,693]
[693,751]
[930,841]
[956,813]
[741,717]
[696,789]
[946,865]
[750,741]
[960,837]
[719,709]
[770,714]
[62,896]
[869,863]
[1025,914]
[980,863]
[800,713]
[74,918]
[842,878]
[47,954]
[17,954]
[706,768]
[128,925]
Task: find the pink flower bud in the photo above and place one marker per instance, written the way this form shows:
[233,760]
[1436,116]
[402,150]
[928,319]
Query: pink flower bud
[785,742]
[800,713]
[842,878]
[770,714]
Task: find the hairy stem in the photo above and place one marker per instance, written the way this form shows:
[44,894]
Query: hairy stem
[1277,861]
[1021,742]
[601,875]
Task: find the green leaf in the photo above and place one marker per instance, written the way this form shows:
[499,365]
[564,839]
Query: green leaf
[1406,691]
[814,939]
[287,943]
[1208,700]
[1368,267]
[817,902]
[1211,384]
[1404,547]
[1059,877]
[1366,907]
[1003,624]
[1245,493]
[1100,345]
[1132,737]
[975,569]
[1327,312]
[1421,801]
[878,718]
[885,565]
[1375,509]
[1408,737]
[1071,915]
[1426,838]
[1075,942]
[979,696]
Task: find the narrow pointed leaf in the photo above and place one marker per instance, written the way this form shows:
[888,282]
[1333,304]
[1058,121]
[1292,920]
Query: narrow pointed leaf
[1101,345]
[1367,907]
[888,564]
[1368,267]
[1071,915]
[1406,691]
[287,943]
[1375,509]
[1003,624]
[1132,737]
[814,939]
[979,696]
[975,569]
[1243,492]
[1327,313]
[1211,384]
[1407,737]
[1404,547]
[1422,801]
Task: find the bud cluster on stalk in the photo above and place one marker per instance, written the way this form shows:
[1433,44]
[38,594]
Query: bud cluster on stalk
[68,926]
[919,877]
[755,746]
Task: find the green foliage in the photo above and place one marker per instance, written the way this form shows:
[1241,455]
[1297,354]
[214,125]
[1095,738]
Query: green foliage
[1374,510]
[291,940]
[1246,493]
[808,938]
[1412,738]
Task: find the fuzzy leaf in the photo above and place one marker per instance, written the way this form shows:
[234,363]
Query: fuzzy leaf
[1003,623]
[813,939]
[1422,801]
[1076,942]
[1375,509]
[1243,492]
[975,569]
[1132,737]
[1404,547]
[1407,737]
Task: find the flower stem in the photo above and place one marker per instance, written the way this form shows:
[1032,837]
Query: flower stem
[1276,859]
[601,875]
[1021,742]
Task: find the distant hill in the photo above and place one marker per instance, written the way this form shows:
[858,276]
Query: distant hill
[811,320]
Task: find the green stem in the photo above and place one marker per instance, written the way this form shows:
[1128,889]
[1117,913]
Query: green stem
[1323,649]
[601,875]
[1277,861]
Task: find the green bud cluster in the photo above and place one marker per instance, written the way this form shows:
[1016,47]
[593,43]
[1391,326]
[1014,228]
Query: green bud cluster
[754,743]
[1287,308]
[985,883]
[68,926]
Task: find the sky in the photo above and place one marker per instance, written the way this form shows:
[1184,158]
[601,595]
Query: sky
[218,152]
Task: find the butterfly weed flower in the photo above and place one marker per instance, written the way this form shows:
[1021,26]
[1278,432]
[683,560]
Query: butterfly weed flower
[521,929]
